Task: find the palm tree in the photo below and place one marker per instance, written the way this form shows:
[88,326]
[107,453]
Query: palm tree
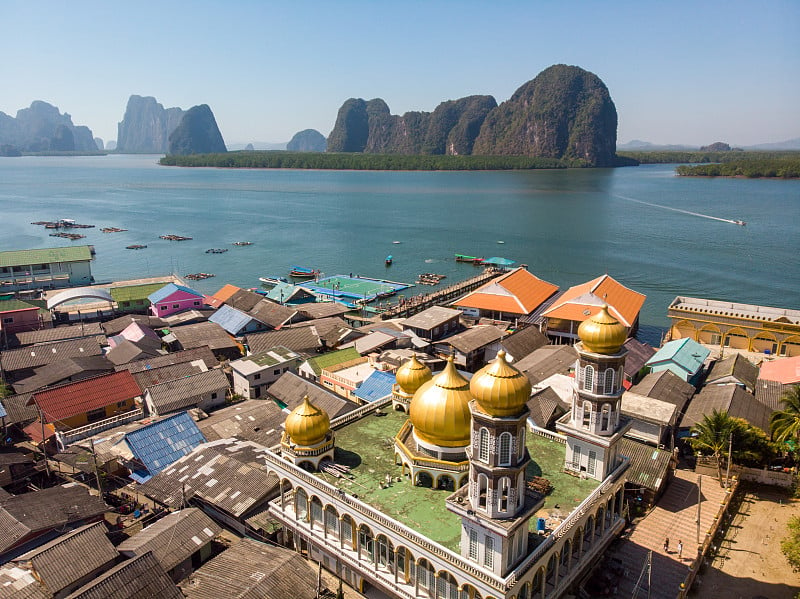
[785,424]
[712,435]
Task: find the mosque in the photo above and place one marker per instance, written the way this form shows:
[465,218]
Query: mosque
[449,493]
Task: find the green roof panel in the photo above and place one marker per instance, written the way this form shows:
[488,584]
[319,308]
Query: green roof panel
[130,293]
[75,253]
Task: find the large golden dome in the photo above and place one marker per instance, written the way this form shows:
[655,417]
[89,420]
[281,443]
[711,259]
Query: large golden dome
[307,424]
[439,409]
[602,333]
[412,375]
[500,389]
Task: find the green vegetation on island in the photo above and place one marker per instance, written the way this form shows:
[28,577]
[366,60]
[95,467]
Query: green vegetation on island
[781,168]
[378,162]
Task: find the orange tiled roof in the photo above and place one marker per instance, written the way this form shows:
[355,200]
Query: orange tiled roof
[585,300]
[784,370]
[518,292]
[221,296]
[83,396]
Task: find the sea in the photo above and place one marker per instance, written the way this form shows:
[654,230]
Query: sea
[653,231]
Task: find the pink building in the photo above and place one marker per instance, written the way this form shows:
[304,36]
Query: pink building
[17,316]
[172,298]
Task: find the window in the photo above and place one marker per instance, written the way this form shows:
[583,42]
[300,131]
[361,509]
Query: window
[122,404]
[276,372]
[592,462]
[488,555]
[609,383]
[505,483]
[163,308]
[176,306]
[576,457]
[588,378]
[505,449]
[483,445]
[196,302]
[8,320]
[605,417]
[214,395]
[483,486]
[473,545]
[257,377]
[587,413]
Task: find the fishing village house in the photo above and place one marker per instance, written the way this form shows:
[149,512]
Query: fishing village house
[581,302]
[204,334]
[204,390]
[434,323]
[21,363]
[254,373]
[134,298]
[64,371]
[469,347]
[48,268]
[17,316]
[763,329]
[684,357]
[172,298]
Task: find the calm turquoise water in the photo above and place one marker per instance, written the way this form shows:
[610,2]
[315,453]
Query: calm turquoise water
[568,226]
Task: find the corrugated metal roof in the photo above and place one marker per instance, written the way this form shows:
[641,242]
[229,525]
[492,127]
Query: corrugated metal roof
[474,338]
[431,318]
[67,559]
[13,305]
[770,393]
[50,335]
[546,361]
[272,314]
[169,289]
[687,354]
[732,399]
[244,300]
[69,368]
[190,355]
[19,583]
[17,408]
[734,367]
[202,334]
[333,358]
[3,412]
[290,389]
[117,325]
[322,310]
[251,569]
[186,392]
[39,355]
[141,577]
[667,386]
[260,421]
[74,253]
[59,403]
[173,538]
[523,343]
[161,443]
[377,386]
[230,319]
[649,466]
[156,376]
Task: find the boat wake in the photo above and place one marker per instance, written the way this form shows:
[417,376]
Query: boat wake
[701,215]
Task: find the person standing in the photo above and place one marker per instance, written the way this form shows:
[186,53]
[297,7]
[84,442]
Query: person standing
[666,545]
[680,548]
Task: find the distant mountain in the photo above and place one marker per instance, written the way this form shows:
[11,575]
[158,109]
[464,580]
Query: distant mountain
[42,128]
[789,144]
[636,145]
[257,145]
[146,126]
[98,141]
[565,112]
[308,140]
[197,133]
[111,144]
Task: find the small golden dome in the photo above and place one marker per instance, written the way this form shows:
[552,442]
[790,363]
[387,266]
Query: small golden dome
[439,409]
[602,333]
[412,375]
[307,424]
[500,389]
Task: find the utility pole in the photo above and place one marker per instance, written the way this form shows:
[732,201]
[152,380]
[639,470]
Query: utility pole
[44,444]
[699,483]
[96,471]
[730,458]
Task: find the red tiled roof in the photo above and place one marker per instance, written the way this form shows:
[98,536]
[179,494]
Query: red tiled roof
[518,292]
[83,396]
[624,303]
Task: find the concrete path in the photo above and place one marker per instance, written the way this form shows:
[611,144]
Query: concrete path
[674,517]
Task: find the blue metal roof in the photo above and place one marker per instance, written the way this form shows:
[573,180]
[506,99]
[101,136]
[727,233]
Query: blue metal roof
[230,319]
[3,412]
[377,386]
[168,290]
[687,354]
[160,444]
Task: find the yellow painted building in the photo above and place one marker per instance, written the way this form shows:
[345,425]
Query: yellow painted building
[739,326]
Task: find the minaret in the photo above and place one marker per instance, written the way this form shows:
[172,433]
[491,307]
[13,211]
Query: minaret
[308,439]
[593,426]
[410,377]
[495,507]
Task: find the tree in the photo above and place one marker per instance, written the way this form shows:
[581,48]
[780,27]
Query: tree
[790,545]
[785,424]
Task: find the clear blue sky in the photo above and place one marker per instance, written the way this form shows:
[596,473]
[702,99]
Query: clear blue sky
[679,72]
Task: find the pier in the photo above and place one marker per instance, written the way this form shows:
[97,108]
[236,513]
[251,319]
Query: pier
[408,306]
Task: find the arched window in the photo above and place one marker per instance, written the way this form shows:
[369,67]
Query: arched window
[488,552]
[483,445]
[316,512]
[588,378]
[346,528]
[605,417]
[301,505]
[366,542]
[609,383]
[505,449]
[505,484]
[473,544]
[331,520]
[520,489]
[587,413]
[483,490]
[520,442]
[601,380]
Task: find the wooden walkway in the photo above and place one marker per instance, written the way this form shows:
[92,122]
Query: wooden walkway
[412,305]
[674,517]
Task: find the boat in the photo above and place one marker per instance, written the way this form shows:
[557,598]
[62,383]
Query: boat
[199,276]
[216,251]
[741,223]
[242,243]
[274,280]
[135,247]
[389,260]
[112,230]
[470,259]
[171,237]
[396,242]
[302,272]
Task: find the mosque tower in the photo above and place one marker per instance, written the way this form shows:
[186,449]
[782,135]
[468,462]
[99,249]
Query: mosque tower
[594,426]
[410,377]
[307,439]
[495,508]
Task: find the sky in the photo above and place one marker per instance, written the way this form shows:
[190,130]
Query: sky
[679,72]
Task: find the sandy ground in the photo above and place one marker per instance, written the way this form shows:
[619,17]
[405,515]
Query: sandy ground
[750,563]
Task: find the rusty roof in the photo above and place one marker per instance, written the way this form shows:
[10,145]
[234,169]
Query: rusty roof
[59,403]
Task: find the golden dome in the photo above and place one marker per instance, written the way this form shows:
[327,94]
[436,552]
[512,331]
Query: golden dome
[307,424]
[439,409]
[412,375]
[500,389]
[602,333]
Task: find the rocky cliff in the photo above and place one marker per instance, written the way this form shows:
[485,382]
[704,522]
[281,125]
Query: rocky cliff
[565,112]
[308,140]
[146,126]
[369,126]
[42,128]
[197,133]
